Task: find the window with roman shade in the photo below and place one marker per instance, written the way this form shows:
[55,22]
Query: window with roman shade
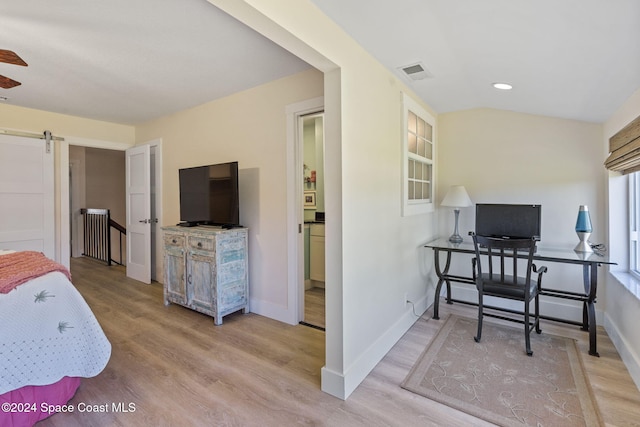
[624,147]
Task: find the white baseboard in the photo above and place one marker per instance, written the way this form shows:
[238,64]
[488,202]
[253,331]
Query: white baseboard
[628,356]
[332,383]
[341,386]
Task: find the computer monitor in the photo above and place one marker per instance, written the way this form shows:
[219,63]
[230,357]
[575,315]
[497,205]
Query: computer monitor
[508,221]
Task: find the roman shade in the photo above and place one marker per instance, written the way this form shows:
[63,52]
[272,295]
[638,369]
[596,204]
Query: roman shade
[624,147]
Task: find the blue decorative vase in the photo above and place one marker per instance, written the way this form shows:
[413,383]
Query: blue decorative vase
[583,229]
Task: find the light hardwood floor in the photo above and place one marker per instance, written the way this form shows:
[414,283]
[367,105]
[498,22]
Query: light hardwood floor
[178,369]
[314,307]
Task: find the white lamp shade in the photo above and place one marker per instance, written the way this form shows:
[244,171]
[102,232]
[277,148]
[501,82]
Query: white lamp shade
[457,197]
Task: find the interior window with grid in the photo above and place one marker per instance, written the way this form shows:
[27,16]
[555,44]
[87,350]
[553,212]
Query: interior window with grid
[418,159]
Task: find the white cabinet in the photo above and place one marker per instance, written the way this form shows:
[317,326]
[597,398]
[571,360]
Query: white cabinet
[316,253]
[206,269]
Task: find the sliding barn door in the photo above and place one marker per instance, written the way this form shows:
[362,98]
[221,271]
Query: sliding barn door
[27,214]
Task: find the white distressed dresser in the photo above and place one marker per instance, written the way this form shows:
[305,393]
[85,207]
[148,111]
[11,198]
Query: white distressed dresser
[206,269]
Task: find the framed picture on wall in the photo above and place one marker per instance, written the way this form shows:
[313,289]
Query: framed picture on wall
[309,199]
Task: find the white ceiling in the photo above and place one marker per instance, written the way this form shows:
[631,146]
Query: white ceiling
[576,59]
[129,61]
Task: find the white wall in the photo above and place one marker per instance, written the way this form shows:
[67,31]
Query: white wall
[508,157]
[374,256]
[622,305]
[105,181]
[248,127]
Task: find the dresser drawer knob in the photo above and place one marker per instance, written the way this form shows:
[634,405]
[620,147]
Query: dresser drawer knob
[173,241]
[199,244]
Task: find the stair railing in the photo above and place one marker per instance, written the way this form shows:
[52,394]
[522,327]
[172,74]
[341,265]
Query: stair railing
[97,235]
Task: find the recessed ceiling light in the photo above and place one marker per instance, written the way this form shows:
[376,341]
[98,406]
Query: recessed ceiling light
[503,86]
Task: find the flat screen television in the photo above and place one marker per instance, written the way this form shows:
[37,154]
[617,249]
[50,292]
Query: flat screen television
[209,195]
[509,221]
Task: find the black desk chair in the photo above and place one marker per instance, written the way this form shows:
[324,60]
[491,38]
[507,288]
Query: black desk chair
[501,279]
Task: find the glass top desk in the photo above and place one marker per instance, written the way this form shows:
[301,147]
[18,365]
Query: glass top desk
[589,262]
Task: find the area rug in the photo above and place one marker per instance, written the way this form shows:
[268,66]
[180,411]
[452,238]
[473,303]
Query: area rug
[496,381]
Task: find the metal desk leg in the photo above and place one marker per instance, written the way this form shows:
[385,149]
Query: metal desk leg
[590,278]
[442,278]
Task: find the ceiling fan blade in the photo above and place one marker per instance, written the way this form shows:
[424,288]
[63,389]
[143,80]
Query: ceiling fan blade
[7,83]
[10,57]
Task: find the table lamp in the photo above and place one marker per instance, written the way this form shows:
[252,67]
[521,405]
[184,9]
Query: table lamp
[456,198]
[583,229]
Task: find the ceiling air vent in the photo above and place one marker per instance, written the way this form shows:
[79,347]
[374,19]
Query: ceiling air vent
[416,71]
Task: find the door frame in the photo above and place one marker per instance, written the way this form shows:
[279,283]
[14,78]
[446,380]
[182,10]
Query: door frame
[295,217]
[157,248]
[63,231]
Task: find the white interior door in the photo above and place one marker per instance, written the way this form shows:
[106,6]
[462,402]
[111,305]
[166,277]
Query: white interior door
[27,212]
[138,193]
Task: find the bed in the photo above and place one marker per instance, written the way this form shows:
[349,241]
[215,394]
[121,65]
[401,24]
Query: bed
[49,338]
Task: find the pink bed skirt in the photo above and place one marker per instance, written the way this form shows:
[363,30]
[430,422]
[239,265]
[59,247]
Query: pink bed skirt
[18,405]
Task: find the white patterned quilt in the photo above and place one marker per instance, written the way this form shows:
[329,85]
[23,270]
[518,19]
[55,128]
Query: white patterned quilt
[47,332]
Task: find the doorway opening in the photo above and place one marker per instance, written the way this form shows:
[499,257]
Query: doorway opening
[87,184]
[96,181]
[311,145]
